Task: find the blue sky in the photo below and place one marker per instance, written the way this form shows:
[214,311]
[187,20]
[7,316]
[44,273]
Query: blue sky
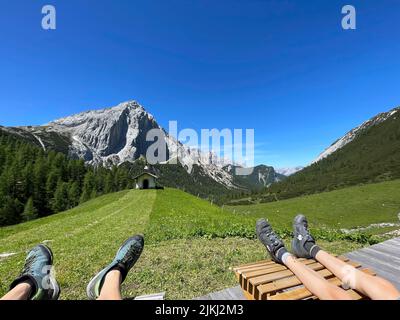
[283,67]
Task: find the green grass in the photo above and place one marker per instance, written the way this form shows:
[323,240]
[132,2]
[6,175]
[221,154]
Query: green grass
[190,244]
[348,208]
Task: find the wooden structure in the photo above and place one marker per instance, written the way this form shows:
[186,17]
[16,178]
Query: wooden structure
[267,280]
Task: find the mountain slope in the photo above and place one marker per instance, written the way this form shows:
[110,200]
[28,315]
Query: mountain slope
[351,135]
[117,135]
[369,153]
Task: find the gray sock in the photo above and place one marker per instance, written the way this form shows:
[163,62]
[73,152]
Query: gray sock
[312,248]
[285,256]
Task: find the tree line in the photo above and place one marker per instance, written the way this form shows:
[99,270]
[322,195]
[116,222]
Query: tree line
[36,183]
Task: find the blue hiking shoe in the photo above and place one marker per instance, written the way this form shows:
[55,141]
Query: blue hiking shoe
[124,260]
[37,271]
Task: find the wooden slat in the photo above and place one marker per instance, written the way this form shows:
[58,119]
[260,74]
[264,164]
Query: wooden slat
[257,267]
[262,262]
[236,269]
[245,277]
[251,268]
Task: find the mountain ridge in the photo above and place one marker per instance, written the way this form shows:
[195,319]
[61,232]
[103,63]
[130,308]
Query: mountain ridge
[352,134]
[369,153]
[116,135]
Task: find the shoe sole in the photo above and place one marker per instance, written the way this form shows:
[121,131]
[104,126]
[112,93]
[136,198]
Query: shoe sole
[91,294]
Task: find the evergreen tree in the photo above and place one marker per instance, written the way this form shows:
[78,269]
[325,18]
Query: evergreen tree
[60,201]
[74,193]
[30,211]
[88,187]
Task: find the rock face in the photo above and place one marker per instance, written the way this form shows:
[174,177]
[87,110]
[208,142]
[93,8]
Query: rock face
[351,135]
[108,136]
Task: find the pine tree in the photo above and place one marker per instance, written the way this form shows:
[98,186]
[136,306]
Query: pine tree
[30,211]
[74,194]
[40,199]
[60,201]
[88,187]
[10,211]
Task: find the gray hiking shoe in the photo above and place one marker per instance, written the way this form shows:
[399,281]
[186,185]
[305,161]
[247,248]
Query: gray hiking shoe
[303,244]
[124,260]
[270,240]
[38,272]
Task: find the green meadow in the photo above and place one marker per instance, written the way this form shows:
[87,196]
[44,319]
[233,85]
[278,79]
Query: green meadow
[190,244]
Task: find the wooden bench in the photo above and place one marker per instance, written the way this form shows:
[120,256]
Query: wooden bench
[267,280]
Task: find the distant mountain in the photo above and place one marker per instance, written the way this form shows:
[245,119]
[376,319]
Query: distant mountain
[368,153]
[289,171]
[117,135]
[261,177]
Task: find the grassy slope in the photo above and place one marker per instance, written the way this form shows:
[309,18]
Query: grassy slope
[83,239]
[345,208]
[190,244]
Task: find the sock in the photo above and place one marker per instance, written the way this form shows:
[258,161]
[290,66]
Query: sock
[285,256]
[280,253]
[26,279]
[121,268]
[312,248]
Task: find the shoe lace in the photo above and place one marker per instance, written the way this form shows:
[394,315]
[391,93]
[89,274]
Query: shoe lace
[307,236]
[28,264]
[273,237]
[129,253]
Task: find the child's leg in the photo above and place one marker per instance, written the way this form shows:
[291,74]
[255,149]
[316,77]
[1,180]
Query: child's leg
[304,246]
[111,289]
[316,284]
[374,287]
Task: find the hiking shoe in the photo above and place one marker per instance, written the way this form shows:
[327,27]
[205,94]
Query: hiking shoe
[38,272]
[124,260]
[303,244]
[270,240]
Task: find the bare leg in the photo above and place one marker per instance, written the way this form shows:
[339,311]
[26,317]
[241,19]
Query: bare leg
[316,284]
[374,287]
[111,289]
[21,292]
